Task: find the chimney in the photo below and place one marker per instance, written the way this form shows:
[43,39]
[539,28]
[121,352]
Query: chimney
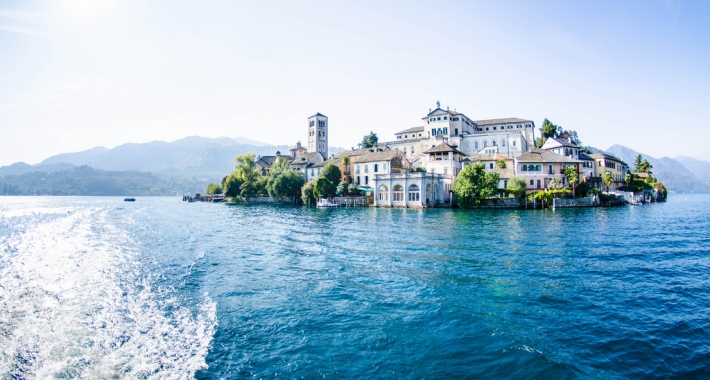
[565,136]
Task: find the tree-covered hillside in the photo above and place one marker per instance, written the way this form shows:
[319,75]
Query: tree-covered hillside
[84,180]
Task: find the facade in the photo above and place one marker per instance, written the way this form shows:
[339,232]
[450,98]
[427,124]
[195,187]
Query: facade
[539,167]
[305,162]
[368,165]
[318,134]
[409,190]
[298,150]
[510,137]
[605,162]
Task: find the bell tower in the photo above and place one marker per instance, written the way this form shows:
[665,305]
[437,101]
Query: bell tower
[318,134]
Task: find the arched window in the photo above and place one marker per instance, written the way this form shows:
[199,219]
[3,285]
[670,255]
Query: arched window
[494,143]
[538,168]
[475,146]
[383,194]
[485,143]
[502,143]
[397,193]
[524,168]
[413,193]
[466,146]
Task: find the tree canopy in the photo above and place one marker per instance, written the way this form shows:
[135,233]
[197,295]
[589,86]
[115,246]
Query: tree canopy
[642,165]
[517,186]
[282,180]
[548,129]
[369,141]
[572,176]
[332,173]
[213,188]
[231,185]
[474,184]
[245,170]
[607,180]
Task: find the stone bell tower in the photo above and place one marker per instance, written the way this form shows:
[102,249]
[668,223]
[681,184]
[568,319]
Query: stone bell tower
[318,134]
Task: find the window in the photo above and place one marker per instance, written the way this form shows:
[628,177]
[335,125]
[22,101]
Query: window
[412,150]
[538,183]
[375,168]
[383,194]
[433,131]
[486,128]
[366,180]
[513,142]
[538,168]
[446,131]
[313,123]
[549,169]
[494,128]
[490,166]
[420,135]
[405,136]
[524,168]
[456,132]
[446,170]
[475,144]
[532,182]
[398,193]
[438,118]
[455,119]
[413,193]
[384,167]
[494,143]
[358,180]
[485,143]
[444,117]
[502,143]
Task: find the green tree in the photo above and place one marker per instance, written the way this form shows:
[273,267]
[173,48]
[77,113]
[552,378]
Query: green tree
[607,180]
[343,187]
[282,180]
[323,188]
[346,163]
[245,170]
[213,188]
[353,189]
[369,141]
[307,194]
[232,185]
[474,184]
[548,130]
[517,187]
[628,178]
[583,189]
[637,164]
[539,141]
[500,164]
[572,176]
[332,173]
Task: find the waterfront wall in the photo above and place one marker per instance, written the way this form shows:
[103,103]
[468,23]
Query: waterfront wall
[272,201]
[574,202]
[500,203]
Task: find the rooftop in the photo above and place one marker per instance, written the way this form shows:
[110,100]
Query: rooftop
[501,121]
[386,155]
[411,130]
[540,155]
[443,148]
[318,114]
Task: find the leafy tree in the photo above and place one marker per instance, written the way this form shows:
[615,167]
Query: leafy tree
[583,190]
[213,188]
[353,189]
[574,138]
[539,141]
[517,186]
[232,185]
[662,192]
[282,180]
[246,172]
[548,130]
[343,187]
[555,184]
[369,141]
[323,187]
[332,173]
[500,164]
[572,177]
[607,180]
[628,178]
[307,193]
[474,184]
[637,164]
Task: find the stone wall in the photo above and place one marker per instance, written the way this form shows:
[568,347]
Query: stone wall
[500,203]
[272,201]
[574,202]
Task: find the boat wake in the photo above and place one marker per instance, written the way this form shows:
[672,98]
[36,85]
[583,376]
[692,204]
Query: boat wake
[76,302]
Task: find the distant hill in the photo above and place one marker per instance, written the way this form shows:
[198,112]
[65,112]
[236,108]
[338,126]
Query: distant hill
[191,157]
[84,180]
[21,168]
[701,169]
[674,175]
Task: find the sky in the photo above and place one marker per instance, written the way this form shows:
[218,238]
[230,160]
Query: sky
[77,74]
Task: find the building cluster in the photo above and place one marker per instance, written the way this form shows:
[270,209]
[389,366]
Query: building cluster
[419,167]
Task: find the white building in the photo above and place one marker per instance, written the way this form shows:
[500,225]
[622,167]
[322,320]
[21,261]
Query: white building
[410,190]
[318,134]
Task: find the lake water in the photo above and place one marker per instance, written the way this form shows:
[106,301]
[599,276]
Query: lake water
[98,288]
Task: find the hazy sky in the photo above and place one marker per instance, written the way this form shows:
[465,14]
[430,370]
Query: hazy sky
[84,73]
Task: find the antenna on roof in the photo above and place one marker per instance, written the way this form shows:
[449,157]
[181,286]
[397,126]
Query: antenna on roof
[438,105]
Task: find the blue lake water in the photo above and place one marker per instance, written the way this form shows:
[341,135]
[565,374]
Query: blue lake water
[98,288]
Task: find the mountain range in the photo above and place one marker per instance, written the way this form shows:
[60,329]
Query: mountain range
[195,161]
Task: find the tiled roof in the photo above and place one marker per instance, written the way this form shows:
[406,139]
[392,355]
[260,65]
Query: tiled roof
[607,156]
[267,161]
[326,162]
[386,155]
[443,148]
[500,121]
[505,173]
[410,130]
[303,158]
[356,152]
[488,157]
[585,157]
[540,155]
[318,114]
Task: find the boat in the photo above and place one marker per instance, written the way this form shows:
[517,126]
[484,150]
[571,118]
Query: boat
[323,202]
[129,199]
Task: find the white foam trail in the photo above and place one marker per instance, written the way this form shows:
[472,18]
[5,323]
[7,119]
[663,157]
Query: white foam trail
[74,303]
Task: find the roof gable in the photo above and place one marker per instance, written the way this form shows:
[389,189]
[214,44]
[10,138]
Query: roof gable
[443,148]
[541,155]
